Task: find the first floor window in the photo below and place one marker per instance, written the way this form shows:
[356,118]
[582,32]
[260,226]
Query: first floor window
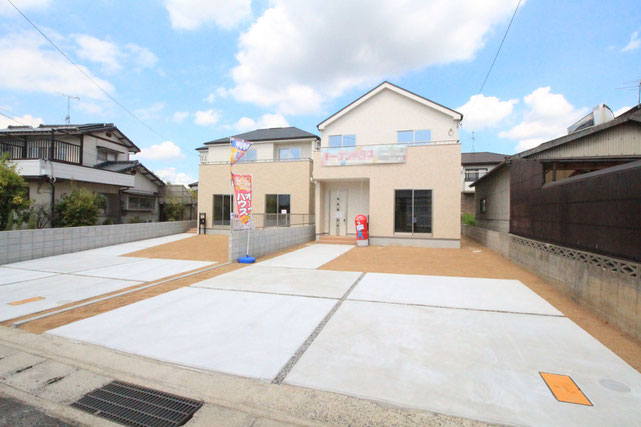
[222,207]
[413,211]
[141,203]
[483,205]
[277,208]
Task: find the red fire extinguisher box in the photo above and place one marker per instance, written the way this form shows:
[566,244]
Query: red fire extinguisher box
[362,233]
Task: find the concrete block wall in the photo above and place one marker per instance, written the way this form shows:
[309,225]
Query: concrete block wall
[269,240]
[23,245]
[608,286]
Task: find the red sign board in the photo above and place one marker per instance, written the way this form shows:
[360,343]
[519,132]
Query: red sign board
[243,193]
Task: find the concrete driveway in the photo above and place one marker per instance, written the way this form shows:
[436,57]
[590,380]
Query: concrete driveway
[32,286]
[476,348]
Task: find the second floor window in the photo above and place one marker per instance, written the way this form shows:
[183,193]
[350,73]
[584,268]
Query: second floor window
[342,140]
[105,155]
[250,156]
[413,136]
[289,153]
[472,175]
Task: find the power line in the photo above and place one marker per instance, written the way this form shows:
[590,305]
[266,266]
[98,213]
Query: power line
[487,76]
[85,74]
[13,119]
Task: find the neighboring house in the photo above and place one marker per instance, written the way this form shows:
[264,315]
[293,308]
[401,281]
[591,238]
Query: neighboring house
[193,186]
[94,156]
[475,166]
[590,149]
[280,164]
[177,193]
[139,203]
[394,156]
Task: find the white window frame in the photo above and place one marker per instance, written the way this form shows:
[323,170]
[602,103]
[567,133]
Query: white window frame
[414,141]
[342,140]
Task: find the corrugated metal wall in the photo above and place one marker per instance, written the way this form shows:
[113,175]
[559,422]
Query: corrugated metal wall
[624,140]
[599,212]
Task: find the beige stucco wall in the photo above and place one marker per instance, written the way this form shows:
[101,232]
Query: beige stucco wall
[377,121]
[289,177]
[432,167]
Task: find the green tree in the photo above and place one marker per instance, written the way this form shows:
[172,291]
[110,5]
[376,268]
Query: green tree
[78,208]
[13,191]
[173,211]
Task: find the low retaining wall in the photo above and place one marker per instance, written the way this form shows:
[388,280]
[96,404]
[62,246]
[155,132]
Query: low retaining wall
[266,241]
[22,245]
[611,287]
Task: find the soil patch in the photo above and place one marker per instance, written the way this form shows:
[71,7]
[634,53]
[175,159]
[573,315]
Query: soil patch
[475,260]
[198,248]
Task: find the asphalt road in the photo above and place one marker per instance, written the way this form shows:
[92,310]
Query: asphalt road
[15,413]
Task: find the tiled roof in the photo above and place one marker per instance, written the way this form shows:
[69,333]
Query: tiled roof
[483,157]
[271,134]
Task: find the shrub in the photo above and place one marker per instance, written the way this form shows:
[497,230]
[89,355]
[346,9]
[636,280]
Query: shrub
[135,220]
[468,219]
[108,221]
[78,208]
[13,193]
[173,211]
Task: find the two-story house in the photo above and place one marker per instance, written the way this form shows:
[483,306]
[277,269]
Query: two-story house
[394,156]
[281,167]
[473,167]
[94,156]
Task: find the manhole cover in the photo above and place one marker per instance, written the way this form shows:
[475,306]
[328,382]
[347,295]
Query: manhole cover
[133,405]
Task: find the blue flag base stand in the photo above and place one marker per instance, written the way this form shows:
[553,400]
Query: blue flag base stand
[246,259]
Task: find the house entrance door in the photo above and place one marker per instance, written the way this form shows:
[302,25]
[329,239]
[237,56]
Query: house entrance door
[338,213]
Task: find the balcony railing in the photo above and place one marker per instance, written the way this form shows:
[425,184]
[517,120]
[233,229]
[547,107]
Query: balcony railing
[42,149]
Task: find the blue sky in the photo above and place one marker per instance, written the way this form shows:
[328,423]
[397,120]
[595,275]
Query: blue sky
[196,70]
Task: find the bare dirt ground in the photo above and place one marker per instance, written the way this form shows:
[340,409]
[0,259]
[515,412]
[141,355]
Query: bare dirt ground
[475,260]
[198,248]
[41,325]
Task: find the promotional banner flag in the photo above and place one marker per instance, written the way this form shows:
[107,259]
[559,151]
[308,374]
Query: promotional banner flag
[243,193]
[238,149]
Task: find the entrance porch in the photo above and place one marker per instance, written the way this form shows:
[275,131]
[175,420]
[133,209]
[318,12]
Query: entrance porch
[338,202]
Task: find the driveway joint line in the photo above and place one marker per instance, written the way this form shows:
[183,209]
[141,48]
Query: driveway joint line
[263,292]
[280,377]
[457,308]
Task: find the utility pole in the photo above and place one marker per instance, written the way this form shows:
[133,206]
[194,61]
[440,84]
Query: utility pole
[473,141]
[69,98]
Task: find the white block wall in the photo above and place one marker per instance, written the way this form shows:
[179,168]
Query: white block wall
[269,240]
[23,245]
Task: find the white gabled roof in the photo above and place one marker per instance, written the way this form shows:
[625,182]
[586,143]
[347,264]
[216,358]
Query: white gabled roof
[387,85]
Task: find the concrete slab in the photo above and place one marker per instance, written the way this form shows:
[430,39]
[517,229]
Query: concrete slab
[17,361]
[290,281]
[240,333]
[125,248]
[310,257]
[54,291]
[477,364]
[146,269]
[71,263]
[455,292]
[73,386]
[39,376]
[12,275]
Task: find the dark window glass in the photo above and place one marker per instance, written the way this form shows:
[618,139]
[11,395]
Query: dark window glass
[222,207]
[403,211]
[413,211]
[275,204]
[283,203]
[271,203]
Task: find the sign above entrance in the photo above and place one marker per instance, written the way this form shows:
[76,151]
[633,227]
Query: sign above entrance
[363,155]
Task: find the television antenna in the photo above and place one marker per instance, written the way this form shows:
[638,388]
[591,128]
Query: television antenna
[69,98]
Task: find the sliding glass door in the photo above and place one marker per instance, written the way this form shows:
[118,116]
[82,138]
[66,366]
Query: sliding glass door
[413,211]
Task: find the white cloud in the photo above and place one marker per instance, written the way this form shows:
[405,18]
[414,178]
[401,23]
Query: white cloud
[210,98]
[164,151]
[180,116]
[170,175]
[141,57]
[206,118]
[112,57]
[222,92]
[150,112]
[548,117]
[300,54]
[100,51]
[92,108]
[620,111]
[27,119]
[265,121]
[487,111]
[29,64]
[24,5]
[633,44]
[192,14]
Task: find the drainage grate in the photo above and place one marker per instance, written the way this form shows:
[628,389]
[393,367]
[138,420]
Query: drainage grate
[133,405]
